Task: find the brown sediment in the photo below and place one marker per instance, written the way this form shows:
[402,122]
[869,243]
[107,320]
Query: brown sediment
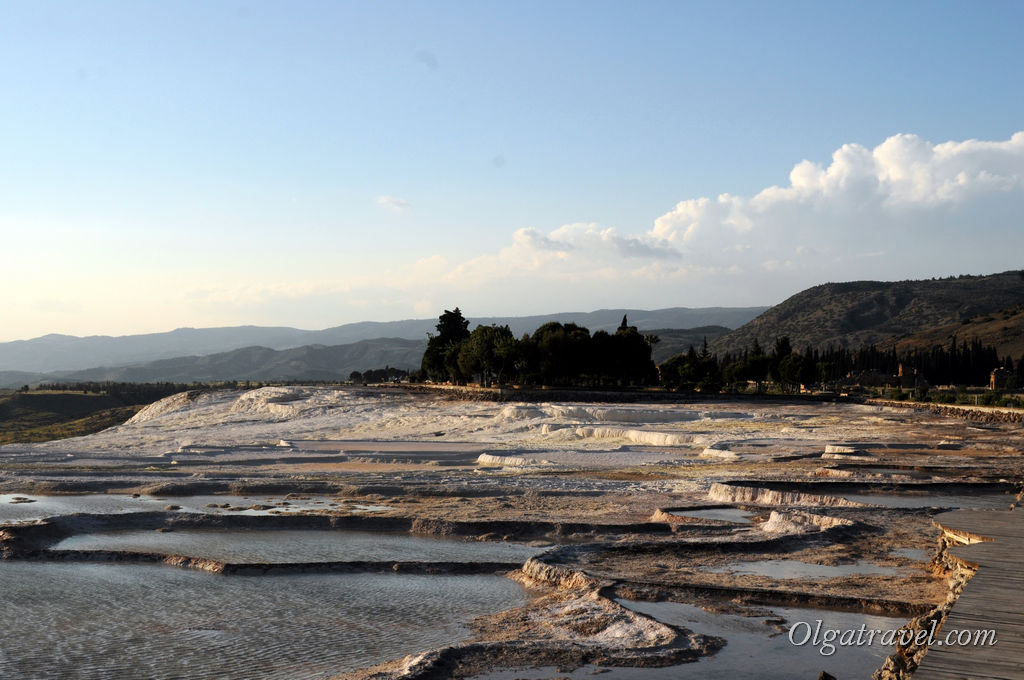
[687,569]
[957,572]
[568,628]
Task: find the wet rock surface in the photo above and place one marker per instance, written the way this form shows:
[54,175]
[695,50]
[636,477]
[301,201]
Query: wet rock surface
[600,488]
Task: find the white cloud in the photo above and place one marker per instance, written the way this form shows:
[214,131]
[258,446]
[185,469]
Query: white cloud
[908,202]
[571,253]
[776,265]
[904,171]
[394,203]
[592,237]
[906,208]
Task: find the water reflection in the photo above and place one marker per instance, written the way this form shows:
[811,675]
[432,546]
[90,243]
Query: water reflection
[14,509]
[276,546]
[136,621]
[728,514]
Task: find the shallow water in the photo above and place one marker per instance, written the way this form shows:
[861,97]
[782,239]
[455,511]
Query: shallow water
[981,501]
[753,652]
[276,546]
[918,554]
[110,504]
[106,621]
[727,514]
[755,649]
[882,470]
[798,569]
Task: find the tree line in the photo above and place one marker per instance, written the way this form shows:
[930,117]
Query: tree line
[129,394]
[379,375]
[554,354]
[963,363]
[568,354]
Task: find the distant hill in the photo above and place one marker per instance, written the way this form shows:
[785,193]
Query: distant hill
[311,362]
[67,353]
[1003,329]
[865,312]
[19,378]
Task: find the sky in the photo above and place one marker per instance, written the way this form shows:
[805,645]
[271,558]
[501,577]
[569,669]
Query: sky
[308,164]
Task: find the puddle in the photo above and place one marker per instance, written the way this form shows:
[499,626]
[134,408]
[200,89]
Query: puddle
[798,569]
[755,650]
[912,474]
[277,546]
[727,514]
[41,507]
[918,554]
[116,621]
[983,501]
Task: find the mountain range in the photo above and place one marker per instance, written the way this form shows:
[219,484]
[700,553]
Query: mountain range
[904,314]
[280,353]
[52,353]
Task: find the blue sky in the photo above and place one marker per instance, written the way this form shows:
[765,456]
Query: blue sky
[315,163]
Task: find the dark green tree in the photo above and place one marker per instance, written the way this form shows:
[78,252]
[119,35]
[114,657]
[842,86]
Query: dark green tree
[634,356]
[795,370]
[561,353]
[692,371]
[489,352]
[440,360]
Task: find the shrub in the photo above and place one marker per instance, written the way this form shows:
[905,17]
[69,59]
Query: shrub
[990,398]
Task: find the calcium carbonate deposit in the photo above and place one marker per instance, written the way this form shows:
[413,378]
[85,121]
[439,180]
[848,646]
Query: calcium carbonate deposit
[404,532]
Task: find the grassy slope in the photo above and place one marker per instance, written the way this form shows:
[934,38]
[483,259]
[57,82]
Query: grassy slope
[859,313]
[41,416]
[1004,329]
[675,341]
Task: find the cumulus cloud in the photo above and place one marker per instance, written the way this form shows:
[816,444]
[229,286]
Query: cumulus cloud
[902,174]
[595,238]
[394,203]
[531,239]
[911,207]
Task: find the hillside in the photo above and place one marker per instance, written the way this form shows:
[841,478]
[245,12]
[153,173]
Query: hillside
[1003,329]
[865,312]
[41,416]
[673,341]
[64,353]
